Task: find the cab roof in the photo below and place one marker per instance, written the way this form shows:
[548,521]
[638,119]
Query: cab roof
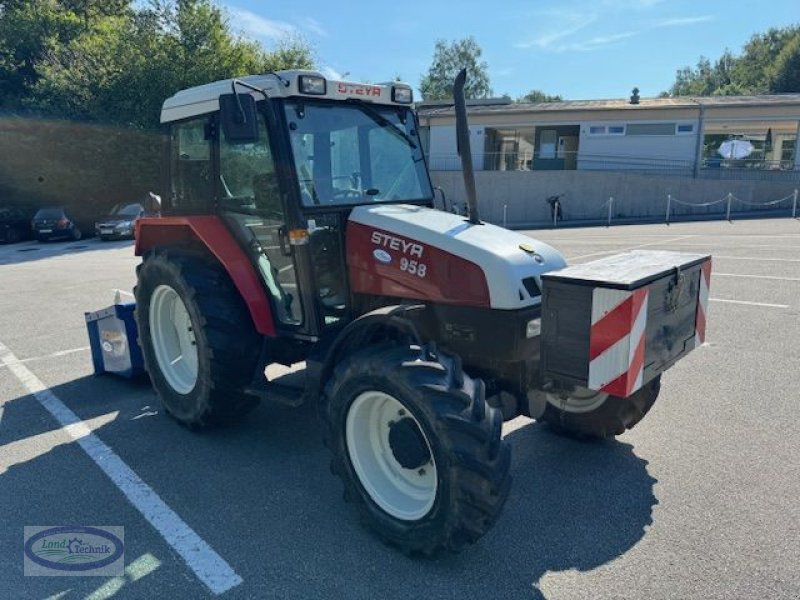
[281,84]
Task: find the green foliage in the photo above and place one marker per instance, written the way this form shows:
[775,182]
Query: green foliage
[768,64]
[105,60]
[448,60]
[539,96]
[785,76]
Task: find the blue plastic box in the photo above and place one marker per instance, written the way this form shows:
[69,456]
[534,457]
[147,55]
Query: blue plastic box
[115,341]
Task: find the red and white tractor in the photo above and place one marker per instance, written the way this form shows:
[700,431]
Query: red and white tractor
[299,226]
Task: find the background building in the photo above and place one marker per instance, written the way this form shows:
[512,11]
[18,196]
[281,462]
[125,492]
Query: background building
[639,151]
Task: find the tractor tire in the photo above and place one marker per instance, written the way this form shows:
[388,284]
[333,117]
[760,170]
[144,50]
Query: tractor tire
[198,341]
[597,415]
[417,447]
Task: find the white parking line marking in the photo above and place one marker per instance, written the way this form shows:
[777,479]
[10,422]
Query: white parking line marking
[656,243]
[208,566]
[53,355]
[765,304]
[791,260]
[773,277]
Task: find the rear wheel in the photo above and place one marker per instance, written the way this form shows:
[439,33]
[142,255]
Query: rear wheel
[198,341]
[76,234]
[417,447]
[587,413]
[13,236]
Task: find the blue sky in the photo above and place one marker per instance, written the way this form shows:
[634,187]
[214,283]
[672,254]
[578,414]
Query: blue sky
[577,48]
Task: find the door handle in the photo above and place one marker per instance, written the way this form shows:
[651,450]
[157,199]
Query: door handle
[283,238]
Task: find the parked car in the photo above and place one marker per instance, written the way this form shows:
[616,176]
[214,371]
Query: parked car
[14,225]
[53,223]
[121,222]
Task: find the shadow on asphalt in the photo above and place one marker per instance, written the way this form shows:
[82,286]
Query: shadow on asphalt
[260,493]
[29,251]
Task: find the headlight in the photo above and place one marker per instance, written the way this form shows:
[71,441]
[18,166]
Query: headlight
[533,328]
[402,95]
[312,84]
[124,225]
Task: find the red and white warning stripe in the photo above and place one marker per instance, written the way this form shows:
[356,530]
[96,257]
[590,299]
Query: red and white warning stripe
[617,340]
[702,304]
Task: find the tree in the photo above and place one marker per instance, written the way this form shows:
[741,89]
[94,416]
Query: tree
[535,96]
[785,75]
[27,30]
[754,66]
[122,67]
[755,71]
[448,60]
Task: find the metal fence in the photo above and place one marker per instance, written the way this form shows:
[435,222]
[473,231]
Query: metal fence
[606,210]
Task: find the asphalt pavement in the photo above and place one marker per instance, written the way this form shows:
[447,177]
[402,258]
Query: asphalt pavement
[700,500]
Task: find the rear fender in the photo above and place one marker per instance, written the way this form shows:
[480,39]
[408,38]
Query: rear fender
[211,232]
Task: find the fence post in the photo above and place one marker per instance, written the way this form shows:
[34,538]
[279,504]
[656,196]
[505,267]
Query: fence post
[556,208]
[669,202]
[610,210]
[794,205]
[730,196]
[505,216]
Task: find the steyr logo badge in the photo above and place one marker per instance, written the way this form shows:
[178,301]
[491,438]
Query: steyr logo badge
[382,256]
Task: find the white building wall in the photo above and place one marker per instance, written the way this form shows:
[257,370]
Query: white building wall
[444,149]
[621,151]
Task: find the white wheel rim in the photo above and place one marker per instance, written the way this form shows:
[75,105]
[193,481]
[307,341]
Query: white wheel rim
[580,401]
[172,334]
[406,494]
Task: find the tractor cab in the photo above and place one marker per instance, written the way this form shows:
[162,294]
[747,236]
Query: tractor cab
[283,158]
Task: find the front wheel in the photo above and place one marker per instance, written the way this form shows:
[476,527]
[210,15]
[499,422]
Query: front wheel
[589,414]
[417,447]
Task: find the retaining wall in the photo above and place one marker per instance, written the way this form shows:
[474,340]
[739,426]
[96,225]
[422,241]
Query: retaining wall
[637,198]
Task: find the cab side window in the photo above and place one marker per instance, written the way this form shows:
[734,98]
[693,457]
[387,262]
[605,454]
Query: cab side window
[247,176]
[191,168]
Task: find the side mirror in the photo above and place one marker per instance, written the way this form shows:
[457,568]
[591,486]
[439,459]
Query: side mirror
[239,118]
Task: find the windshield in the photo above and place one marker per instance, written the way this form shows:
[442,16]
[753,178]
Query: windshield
[49,213]
[126,210]
[356,153]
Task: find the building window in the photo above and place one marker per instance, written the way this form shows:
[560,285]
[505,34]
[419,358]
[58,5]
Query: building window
[685,128]
[547,143]
[597,129]
[616,129]
[508,149]
[650,129]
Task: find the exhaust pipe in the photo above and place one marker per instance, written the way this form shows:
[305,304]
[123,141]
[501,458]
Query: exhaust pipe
[462,143]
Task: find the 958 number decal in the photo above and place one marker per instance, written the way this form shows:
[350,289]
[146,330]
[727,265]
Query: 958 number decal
[413,267]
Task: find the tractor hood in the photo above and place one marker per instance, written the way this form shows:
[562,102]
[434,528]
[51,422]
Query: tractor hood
[420,253]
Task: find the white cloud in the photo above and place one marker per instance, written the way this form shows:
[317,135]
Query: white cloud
[628,4]
[557,43]
[257,26]
[565,25]
[677,22]
[599,41]
[314,26]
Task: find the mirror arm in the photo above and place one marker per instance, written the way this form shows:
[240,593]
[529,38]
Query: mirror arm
[242,116]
